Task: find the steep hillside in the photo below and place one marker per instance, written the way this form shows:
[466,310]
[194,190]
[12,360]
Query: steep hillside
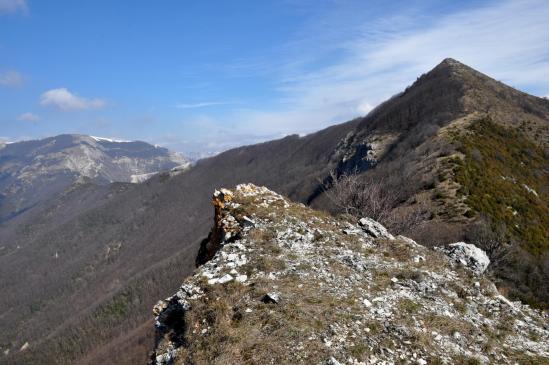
[32,171]
[500,176]
[458,149]
[406,129]
[289,285]
[107,252]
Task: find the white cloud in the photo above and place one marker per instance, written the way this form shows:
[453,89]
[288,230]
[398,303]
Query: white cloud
[13,6]
[65,100]
[29,117]
[364,107]
[11,78]
[201,104]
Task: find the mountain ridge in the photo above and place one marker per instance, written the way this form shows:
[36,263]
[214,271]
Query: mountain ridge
[165,217]
[32,171]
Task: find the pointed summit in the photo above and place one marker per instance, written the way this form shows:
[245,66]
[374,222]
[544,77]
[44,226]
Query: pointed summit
[450,62]
[435,97]
[451,90]
[461,72]
[454,69]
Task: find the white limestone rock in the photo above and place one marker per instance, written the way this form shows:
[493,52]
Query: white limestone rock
[374,228]
[468,255]
[225,279]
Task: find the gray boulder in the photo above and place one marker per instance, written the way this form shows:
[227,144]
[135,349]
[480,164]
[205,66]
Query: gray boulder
[468,255]
[374,228]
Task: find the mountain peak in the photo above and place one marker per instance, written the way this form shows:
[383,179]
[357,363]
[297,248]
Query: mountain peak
[452,69]
[458,71]
[452,90]
[450,62]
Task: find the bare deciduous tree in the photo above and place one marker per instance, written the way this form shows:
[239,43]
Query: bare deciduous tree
[491,239]
[363,196]
[406,220]
[360,197]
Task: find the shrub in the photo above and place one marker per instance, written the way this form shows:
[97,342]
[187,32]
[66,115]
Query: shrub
[376,198]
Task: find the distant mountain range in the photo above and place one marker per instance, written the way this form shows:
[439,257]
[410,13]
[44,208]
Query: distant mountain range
[83,270]
[32,171]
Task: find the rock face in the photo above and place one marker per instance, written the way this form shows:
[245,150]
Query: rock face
[31,171]
[285,284]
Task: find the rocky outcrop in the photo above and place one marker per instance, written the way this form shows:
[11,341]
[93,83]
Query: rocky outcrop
[286,284]
[375,229]
[468,255]
[224,229]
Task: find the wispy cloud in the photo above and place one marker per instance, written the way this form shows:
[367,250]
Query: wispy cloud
[29,117]
[371,62]
[202,104]
[65,100]
[344,63]
[11,78]
[13,6]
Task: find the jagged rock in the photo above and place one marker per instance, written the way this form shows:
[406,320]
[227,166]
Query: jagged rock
[468,255]
[374,228]
[159,307]
[225,279]
[225,230]
[247,222]
[271,298]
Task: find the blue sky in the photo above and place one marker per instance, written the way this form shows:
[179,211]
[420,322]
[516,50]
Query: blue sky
[203,76]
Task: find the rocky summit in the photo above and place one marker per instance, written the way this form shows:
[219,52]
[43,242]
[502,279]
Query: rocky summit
[279,283]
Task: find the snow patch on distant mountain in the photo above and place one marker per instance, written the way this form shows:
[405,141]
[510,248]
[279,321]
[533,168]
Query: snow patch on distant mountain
[100,139]
[139,178]
[136,179]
